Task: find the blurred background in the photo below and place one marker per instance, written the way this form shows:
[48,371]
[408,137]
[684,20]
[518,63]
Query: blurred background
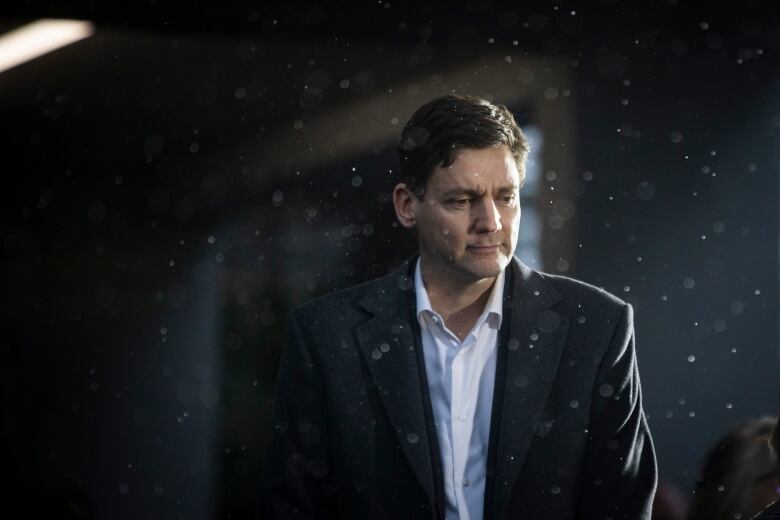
[176,178]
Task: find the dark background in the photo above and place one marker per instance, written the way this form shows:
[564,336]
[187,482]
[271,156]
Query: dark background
[173,185]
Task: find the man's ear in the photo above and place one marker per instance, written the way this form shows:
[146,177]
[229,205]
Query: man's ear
[403,200]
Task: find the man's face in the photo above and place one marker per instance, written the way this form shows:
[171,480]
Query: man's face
[468,219]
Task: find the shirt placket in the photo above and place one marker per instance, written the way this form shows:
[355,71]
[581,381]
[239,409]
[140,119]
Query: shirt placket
[445,349]
[461,418]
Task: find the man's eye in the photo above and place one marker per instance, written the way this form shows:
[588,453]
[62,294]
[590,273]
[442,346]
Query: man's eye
[460,202]
[508,199]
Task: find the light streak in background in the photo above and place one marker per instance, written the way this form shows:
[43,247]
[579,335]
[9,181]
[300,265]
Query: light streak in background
[38,38]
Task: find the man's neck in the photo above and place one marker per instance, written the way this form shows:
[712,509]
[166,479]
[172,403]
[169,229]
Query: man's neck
[458,302]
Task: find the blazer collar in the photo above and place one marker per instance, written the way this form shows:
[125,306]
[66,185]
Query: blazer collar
[531,291]
[389,297]
[530,345]
[387,342]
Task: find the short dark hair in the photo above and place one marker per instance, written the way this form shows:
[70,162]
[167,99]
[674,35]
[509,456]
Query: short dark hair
[449,123]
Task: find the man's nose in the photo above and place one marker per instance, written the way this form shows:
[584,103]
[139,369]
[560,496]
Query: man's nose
[485,216]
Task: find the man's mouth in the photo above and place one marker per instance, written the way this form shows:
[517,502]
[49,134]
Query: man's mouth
[484,248]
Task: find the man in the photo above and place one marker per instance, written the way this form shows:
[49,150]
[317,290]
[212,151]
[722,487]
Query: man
[464,385]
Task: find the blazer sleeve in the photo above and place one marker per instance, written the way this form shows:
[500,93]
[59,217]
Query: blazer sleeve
[297,468]
[620,466]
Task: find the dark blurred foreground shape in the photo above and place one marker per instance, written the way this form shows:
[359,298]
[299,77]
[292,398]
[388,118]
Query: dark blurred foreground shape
[740,474]
[772,512]
[173,185]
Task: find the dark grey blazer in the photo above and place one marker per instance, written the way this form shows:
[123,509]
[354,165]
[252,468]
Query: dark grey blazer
[353,434]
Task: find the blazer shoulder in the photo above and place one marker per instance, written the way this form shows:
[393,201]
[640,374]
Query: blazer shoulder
[578,297]
[572,287]
[338,309]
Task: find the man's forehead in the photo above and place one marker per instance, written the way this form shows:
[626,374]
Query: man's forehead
[475,175]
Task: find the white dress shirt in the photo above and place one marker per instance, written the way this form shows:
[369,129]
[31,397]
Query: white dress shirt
[461,376]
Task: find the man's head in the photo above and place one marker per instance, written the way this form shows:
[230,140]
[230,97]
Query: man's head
[449,123]
[462,166]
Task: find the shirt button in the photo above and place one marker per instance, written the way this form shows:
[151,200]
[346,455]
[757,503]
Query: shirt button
[435,319]
[466,481]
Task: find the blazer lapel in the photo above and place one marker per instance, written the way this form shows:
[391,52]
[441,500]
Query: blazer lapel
[527,362]
[388,345]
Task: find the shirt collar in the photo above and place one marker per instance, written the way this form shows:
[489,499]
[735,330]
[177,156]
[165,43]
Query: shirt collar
[493,307]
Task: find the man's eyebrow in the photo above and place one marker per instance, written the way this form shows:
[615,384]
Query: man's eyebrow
[460,191]
[453,192]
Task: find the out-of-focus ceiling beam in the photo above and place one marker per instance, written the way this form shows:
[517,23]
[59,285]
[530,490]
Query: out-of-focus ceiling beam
[38,38]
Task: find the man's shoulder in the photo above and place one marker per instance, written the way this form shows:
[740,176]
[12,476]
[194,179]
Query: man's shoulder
[345,296]
[572,289]
[342,308]
[576,299]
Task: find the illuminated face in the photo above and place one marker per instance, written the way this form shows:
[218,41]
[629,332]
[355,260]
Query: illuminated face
[468,219]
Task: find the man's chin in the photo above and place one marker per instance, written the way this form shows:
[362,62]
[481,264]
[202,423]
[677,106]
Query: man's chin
[472,270]
[486,270]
